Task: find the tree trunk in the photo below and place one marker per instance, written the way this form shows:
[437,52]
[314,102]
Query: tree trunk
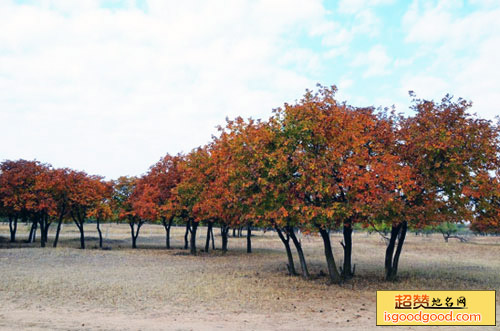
[300,252]
[167,227]
[389,252]
[330,260]
[213,240]
[239,232]
[234,232]
[79,220]
[445,236]
[34,232]
[286,241]
[194,227]
[209,229]
[43,230]
[134,243]
[391,260]
[401,240]
[42,222]
[224,232]
[249,237]
[135,232]
[347,272]
[100,233]
[46,234]
[62,212]
[32,235]
[13,228]
[186,242]
[58,230]
[82,236]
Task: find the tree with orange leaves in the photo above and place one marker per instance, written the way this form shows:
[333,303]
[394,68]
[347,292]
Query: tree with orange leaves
[451,155]
[252,184]
[190,191]
[126,193]
[43,205]
[12,183]
[342,168]
[218,200]
[84,193]
[241,150]
[102,211]
[20,183]
[158,193]
[487,207]
[61,181]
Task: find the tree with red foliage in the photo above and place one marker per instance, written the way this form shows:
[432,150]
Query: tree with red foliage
[125,196]
[238,154]
[190,191]
[487,207]
[217,202]
[340,168]
[18,192]
[43,205]
[60,182]
[85,192]
[158,200]
[450,153]
[102,211]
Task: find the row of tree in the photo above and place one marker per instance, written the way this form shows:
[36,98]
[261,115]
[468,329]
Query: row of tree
[314,166]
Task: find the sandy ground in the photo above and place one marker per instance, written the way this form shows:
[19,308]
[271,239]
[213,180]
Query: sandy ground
[151,288]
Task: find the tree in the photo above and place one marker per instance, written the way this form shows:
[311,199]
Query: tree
[341,168]
[43,205]
[258,173]
[161,180]
[190,190]
[18,180]
[487,205]
[61,187]
[221,200]
[102,211]
[449,230]
[125,200]
[449,153]
[85,193]
[237,193]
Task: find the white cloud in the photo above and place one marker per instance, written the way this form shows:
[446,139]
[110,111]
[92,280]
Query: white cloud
[426,86]
[335,35]
[345,83]
[461,52]
[111,91]
[354,6]
[304,59]
[367,23]
[376,61]
[438,24]
[484,3]
[338,37]
[479,78]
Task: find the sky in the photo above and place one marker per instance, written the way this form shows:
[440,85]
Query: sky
[109,86]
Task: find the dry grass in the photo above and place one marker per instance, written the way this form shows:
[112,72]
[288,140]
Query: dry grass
[151,280]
